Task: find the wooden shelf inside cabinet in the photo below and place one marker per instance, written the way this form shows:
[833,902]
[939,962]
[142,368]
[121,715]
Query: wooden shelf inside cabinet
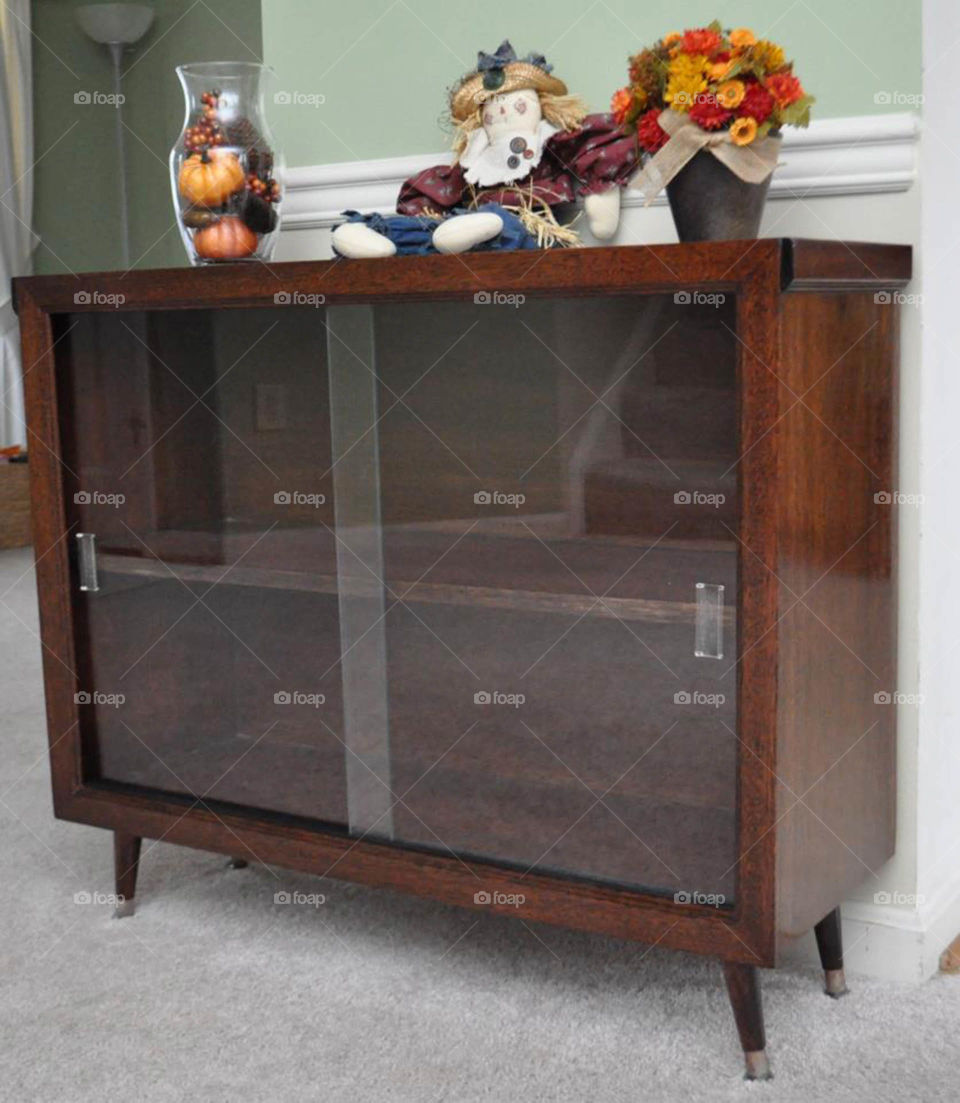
[564,603]
[434,593]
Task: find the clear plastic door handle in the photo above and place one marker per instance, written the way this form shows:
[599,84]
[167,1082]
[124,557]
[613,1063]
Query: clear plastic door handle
[87,561]
[708,633]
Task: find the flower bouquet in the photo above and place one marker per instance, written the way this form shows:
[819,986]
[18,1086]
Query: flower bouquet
[707,106]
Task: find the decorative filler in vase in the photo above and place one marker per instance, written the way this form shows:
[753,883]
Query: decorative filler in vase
[523,147]
[225,170]
[708,106]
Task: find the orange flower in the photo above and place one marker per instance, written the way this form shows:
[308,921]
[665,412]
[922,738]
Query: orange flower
[701,41]
[672,38]
[620,105]
[785,88]
[743,131]
[742,38]
[731,94]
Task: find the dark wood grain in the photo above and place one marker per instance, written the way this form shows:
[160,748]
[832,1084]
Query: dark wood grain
[787,528]
[844,265]
[830,940]
[743,987]
[836,760]
[126,866]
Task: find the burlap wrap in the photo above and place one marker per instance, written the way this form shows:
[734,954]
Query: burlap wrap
[752,163]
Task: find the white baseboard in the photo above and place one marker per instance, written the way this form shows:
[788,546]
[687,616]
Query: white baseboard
[856,155]
[891,942]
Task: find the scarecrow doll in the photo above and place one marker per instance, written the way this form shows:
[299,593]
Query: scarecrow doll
[523,147]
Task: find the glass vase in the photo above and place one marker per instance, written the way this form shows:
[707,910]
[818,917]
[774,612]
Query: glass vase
[225,169]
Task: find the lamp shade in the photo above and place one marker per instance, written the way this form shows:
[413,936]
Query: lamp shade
[115,23]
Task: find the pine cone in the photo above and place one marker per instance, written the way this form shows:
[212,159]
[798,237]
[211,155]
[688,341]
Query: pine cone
[241,132]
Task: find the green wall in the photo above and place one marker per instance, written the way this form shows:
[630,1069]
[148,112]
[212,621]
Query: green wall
[76,186]
[383,66]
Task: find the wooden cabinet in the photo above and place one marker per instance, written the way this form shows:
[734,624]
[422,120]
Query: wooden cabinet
[558,578]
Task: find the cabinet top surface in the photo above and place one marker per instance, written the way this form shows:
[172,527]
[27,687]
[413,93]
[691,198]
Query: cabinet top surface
[790,264]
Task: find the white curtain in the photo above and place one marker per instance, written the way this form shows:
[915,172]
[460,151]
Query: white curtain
[16,203]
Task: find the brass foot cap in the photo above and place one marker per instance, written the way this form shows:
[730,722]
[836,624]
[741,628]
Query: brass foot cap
[835,983]
[124,909]
[758,1067]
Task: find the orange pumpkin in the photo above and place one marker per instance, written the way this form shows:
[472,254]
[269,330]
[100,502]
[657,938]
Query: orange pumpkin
[228,239]
[208,179]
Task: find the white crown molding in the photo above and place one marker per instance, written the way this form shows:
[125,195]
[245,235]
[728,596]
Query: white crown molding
[862,154]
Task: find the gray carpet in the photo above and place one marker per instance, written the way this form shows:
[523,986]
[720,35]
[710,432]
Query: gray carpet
[215,992]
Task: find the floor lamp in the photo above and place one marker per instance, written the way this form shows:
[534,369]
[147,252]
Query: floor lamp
[118,27]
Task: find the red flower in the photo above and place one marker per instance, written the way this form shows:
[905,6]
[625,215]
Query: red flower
[649,131]
[785,88]
[709,114]
[757,104]
[701,41]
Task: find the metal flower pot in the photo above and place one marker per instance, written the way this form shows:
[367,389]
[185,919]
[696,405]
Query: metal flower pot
[711,203]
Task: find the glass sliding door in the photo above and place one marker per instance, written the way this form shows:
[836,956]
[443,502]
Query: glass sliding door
[197,477]
[550,680]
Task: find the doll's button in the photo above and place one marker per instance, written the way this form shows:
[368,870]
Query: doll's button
[517,145]
[528,153]
[512,161]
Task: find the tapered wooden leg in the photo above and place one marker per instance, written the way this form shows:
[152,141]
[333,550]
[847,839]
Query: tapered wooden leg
[743,987]
[830,945]
[126,859]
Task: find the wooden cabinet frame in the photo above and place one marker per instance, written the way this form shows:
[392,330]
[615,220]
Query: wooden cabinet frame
[786,292]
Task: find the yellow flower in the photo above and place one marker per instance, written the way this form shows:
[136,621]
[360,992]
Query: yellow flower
[686,81]
[741,38]
[743,131]
[769,55]
[730,95]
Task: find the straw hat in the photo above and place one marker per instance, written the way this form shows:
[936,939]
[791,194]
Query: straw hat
[500,73]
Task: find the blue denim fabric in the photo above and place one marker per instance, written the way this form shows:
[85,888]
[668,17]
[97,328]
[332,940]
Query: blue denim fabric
[412,234]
